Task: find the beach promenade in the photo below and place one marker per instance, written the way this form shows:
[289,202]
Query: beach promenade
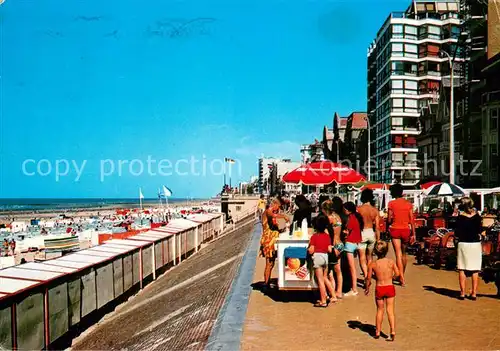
[428,316]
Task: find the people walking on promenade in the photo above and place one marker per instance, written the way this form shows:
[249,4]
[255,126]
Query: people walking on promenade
[401,227]
[385,270]
[353,238]
[371,230]
[270,233]
[469,254]
[331,211]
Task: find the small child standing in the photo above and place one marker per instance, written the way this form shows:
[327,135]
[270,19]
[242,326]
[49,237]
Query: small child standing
[385,270]
[320,245]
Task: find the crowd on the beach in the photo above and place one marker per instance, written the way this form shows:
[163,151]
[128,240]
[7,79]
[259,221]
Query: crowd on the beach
[344,231]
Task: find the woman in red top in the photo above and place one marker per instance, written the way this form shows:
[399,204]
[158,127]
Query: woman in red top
[353,238]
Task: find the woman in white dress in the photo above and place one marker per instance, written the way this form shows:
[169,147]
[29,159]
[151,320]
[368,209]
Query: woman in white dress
[469,254]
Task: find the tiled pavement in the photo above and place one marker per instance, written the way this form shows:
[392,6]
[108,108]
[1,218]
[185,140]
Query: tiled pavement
[427,318]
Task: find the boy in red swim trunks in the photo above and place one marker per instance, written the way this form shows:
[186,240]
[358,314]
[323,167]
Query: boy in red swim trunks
[385,270]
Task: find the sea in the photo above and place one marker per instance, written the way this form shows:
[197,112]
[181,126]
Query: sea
[45,205]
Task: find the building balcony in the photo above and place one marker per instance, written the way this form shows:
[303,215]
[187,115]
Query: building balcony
[404,165]
[425,15]
[403,129]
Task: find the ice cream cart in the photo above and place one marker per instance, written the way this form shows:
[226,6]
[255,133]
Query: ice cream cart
[295,270]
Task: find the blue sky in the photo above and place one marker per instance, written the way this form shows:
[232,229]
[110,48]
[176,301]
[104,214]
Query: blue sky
[103,81]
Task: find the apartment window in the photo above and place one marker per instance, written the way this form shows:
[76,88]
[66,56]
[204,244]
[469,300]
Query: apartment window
[397,84]
[411,32]
[404,68]
[455,32]
[493,119]
[441,7]
[398,67]
[411,105]
[452,6]
[411,50]
[430,7]
[434,32]
[397,121]
[397,31]
[426,50]
[411,87]
[420,7]
[397,159]
[397,49]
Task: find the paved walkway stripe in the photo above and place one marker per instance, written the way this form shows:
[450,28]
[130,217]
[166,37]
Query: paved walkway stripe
[226,334]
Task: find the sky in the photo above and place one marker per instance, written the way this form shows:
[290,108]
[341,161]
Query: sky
[101,98]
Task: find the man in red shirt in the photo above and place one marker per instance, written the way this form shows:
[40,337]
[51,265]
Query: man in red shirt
[401,227]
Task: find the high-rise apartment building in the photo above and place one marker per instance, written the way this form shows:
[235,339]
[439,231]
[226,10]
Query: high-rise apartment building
[405,72]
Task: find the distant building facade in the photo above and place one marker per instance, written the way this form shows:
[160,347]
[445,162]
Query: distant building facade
[271,172]
[356,141]
[312,152]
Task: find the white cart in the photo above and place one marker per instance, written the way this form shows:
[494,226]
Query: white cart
[295,273]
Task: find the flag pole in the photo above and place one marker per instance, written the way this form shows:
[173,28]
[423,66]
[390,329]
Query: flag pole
[140,198]
[224,185]
[159,197]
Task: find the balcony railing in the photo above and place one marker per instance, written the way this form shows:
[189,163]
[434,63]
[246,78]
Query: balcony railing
[404,164]
[404,146]
[424,15]
[405,128]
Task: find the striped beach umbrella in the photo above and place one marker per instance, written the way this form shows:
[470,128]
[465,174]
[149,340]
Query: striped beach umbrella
[445,189]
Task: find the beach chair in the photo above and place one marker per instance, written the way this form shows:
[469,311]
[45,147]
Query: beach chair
[429,247]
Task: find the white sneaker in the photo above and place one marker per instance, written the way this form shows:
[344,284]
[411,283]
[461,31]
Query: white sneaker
[351,293]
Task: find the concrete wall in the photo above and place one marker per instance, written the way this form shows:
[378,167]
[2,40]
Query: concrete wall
[238,205]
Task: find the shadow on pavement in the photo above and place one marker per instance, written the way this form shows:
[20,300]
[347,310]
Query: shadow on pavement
[283,296]
[365,328]
[454,294]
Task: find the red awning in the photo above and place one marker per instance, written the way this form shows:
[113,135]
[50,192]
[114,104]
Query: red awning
[376,186]
[323,173]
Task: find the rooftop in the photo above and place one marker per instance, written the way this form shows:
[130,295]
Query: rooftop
[359,120]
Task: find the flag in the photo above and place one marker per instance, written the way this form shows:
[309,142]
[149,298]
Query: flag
[229,160]
[166,191]
[141,196]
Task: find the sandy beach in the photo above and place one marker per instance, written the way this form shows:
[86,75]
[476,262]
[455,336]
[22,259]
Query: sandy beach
[9,216]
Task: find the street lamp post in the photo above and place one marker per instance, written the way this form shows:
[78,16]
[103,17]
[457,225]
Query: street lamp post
[452,118]
[369,147]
